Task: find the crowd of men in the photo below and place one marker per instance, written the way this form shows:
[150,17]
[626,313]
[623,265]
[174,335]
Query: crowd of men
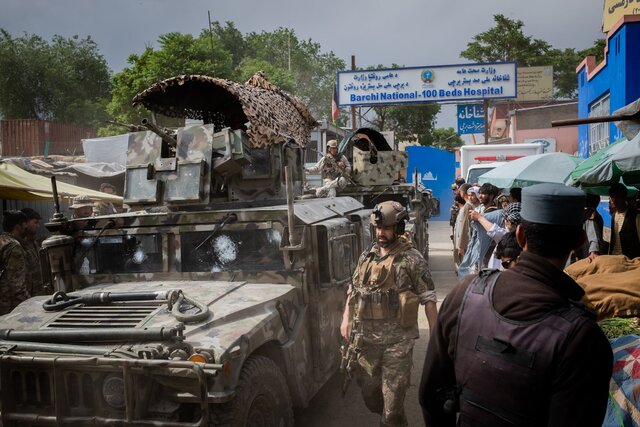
[484,215]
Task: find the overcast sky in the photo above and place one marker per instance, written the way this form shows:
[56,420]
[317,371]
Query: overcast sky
[406,32]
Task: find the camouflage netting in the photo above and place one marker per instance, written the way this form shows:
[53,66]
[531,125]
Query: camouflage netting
[268,114]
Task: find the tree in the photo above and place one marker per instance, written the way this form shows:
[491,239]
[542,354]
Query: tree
[296,66]
[177,54]
[506,42]
[565,62]
[66,80]
[446,139]
[313,71]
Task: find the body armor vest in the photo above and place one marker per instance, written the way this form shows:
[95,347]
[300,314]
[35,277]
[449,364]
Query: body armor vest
[377,292]
[504,368]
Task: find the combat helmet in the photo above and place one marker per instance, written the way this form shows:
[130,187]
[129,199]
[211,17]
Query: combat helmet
[332,144]
[389,213]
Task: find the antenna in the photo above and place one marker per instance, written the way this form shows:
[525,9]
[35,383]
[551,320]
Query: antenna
[213,59]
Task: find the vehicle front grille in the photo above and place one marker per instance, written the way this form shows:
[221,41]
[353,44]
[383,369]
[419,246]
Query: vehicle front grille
[70,391]
[110,316]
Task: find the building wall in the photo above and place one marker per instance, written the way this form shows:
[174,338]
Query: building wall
[25,138]
[566,137]
[535,123]
[617,76]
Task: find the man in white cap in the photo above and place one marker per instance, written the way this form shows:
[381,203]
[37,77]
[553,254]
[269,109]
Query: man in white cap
[514,347]
[335,170]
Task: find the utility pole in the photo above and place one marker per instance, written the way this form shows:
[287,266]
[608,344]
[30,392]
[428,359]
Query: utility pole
[353,109]
[485,105]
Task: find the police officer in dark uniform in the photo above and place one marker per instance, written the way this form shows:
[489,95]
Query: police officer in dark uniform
[514,348]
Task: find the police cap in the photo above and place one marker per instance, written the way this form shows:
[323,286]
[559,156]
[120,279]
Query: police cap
[553,204]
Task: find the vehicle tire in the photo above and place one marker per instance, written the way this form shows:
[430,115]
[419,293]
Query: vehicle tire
[262,398]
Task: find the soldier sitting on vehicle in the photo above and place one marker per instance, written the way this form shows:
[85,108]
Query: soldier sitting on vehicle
[335,170]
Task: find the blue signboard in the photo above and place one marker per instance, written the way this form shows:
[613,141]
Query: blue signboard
[436,169]
[470,118]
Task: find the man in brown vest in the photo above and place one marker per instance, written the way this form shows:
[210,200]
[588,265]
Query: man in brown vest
[390,282]
[625,224]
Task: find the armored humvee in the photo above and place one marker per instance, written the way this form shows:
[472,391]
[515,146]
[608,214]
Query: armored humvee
[215,300]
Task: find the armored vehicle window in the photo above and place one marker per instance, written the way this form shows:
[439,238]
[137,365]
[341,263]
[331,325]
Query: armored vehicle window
[119,254]
[232,250]
[260,167]
[343,257]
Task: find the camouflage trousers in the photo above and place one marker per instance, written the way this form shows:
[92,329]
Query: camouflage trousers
[383,375]
[329,187]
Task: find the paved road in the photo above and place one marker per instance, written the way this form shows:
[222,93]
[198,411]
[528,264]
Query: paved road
[329,409]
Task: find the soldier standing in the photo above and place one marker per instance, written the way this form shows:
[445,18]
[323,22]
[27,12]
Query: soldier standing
[390,282]
[12,261]
[335,170]
[33,277]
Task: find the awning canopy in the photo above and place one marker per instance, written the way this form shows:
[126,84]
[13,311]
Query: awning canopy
[18,184]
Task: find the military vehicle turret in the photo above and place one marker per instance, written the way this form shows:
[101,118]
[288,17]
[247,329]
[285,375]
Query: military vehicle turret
[216,300]
[378,173]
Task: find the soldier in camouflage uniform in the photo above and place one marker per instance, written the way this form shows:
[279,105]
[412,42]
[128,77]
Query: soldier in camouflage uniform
[335,169]
[12,261]
[390,282]
[33,275]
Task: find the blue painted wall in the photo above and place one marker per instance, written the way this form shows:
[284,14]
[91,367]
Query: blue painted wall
[620,78]
[437,170]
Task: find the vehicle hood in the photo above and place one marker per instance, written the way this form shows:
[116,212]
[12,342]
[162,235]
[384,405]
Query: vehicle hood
[238,312]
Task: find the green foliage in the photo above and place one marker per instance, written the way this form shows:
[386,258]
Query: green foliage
[446,139]
[506,41]
[178,54]
[616,327]
[282,78]
[313,71]
[297,66]
[231,40]
[66,80]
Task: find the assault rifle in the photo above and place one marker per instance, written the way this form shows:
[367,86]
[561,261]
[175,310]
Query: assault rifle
[351,352]
[331,168]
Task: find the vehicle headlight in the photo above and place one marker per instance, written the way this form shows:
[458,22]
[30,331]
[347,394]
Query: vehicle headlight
[113,391]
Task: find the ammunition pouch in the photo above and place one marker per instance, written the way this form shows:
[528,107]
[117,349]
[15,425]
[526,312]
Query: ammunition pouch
[408,312]
[389,305]
[378,306]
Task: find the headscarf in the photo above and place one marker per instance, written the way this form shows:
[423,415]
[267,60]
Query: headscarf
[512,213]
[475,190]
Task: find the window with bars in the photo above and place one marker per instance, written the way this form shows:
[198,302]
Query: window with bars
[599,132]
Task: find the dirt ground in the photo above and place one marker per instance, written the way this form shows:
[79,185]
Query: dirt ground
[329,409]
